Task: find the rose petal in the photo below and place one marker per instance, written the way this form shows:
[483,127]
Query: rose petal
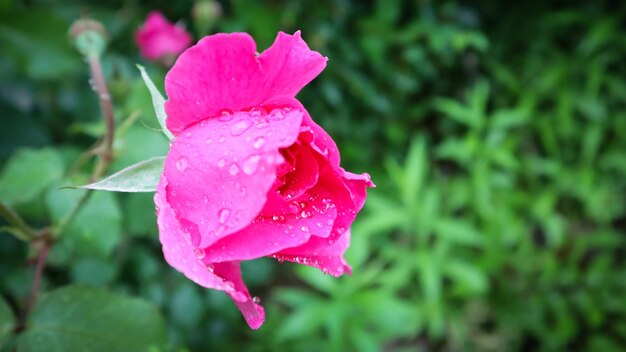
[219,172]
[221,72]
[178,250]
[304,174]
[357,185]
[268,234]
[158,37]
[251,311]
[321,142]
[289,64]
[318,253]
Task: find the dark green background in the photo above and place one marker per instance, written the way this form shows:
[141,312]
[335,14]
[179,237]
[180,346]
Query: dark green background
[496,134]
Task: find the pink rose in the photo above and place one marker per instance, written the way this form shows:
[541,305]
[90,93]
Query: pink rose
[158,38]
[249,174]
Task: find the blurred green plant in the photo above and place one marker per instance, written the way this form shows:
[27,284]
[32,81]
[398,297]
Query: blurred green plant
[497,139]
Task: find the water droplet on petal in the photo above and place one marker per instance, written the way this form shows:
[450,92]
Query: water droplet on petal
[240,127]
[305,214]
[257,111]
[222,139]
[225,116]
[205,199]
[242,191]
[208,141]
[277,115]
[250,164]
[199,253]
[262,123]
[304,229]
[258,142]
[256,300]
[223,215]
[233,169]
[221,163]
[211,267]
[320,225]
[181,164]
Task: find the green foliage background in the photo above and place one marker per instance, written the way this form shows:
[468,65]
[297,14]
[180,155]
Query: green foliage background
[496,134]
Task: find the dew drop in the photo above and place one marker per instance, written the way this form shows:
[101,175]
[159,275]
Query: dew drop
[211,267]
[277,115]
[257,111]
[233,169]
[262,123]
[242,191]
[221,163]
[258,142]
[199,253]
[208,141]
[222,139]
[305,214]
[225,116]
[250,164]
[181,164]
[223,215]
[320,225]
[240,127]
[304,229]
[205,199]
[256,300]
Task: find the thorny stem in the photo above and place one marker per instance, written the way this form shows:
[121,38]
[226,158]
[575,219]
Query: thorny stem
[107,112]
[41,263]
[105,153]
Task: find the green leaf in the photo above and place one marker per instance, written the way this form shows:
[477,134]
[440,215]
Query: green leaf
[7,322]
[139,216]
[42,54]
[93,271]
[185,305]
[138,143]
[157,101]
[468,279]
[317,279]
[454,110]
[82,318]
[95,230]
[458,231]
[415,171]
[302,322]
[28,173]
[141,177]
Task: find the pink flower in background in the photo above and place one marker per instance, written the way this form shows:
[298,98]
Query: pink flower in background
[249,173]
[158,38]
